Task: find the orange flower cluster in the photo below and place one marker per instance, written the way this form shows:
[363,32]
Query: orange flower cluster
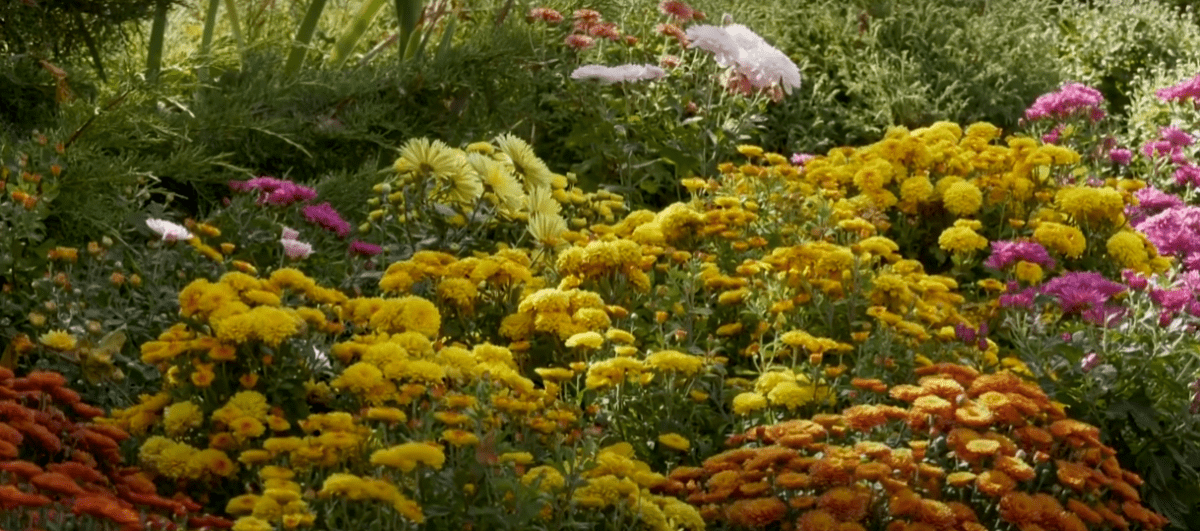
[940,457]
[52,457]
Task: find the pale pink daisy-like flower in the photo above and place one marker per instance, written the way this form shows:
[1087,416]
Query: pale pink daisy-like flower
[677,9]
[290,233]
[170,232]
[296,249]
[618,74]
[736,46]
[544,14]
[607,30]
[672,30]
[590,16]
[579,42]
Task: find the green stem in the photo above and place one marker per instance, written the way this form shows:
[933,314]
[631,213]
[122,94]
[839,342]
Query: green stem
[304,36]
[157,32]
[210,20]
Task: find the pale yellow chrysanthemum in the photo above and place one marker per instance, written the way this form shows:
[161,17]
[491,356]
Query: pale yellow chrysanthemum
[547,229]
[421,158]
[525,162]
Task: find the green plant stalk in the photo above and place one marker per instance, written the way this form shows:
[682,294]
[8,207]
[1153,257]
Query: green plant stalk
[303,37]
[235,25]
[409,13]
[210,20]
[157,31]
[91,46]
[358,26]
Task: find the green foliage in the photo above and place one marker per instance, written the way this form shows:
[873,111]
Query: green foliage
[1111,44]
[868,65]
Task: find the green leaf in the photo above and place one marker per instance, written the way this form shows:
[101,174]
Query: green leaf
[346,43]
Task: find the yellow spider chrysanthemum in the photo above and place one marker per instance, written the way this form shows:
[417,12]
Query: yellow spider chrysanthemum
[525,162]
[421,159]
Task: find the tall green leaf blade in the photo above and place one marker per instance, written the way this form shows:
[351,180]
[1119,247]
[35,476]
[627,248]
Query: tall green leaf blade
[447,36]
[304,35]
[409,13]
[362,20]
[157,37]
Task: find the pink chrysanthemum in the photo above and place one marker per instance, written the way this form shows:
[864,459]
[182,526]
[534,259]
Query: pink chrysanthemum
[677,9]
[328,218]
[296,249]
[364,249]
[579,42]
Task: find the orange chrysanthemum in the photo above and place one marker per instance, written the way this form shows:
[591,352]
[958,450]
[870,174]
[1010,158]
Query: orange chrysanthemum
[845,503]
[995,483]
[56,482]
[756,513]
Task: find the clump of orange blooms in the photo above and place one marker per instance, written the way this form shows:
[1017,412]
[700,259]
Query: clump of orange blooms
[57,466]
[959,450]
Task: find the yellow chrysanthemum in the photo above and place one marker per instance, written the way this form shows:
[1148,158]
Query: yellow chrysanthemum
[675,441]
[525,162]
[407,456]
[961,240]
[182,416]
[746,403]
[588,340]
[1127,249]
[1064,239]
[962,198]
[675,361]
[58,340]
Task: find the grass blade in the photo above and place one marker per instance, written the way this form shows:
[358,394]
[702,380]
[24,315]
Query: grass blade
[304,34]
[345,45]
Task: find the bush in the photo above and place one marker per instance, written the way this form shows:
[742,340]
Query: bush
[869,66]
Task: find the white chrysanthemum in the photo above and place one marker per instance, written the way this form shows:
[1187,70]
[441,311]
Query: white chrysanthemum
[618,74]
[546,228]
[169,231]
[525,162]
[541,201]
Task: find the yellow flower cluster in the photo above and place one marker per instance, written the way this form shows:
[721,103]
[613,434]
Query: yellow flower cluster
[600,259]
[962,238]
[281,503]
[619,480]
[182,461]
[355,488]
[407,456]
[1092,205]
[560,312]
[503,269]
[780,388]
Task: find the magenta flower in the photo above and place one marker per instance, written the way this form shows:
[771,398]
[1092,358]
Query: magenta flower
[1187,90]
[364,249]
[1008,252]
[1071,100]
[277,192]
[328,218]
[1090,362]
[1175,136]
[1175,232]
[1120,156]
[799,159]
